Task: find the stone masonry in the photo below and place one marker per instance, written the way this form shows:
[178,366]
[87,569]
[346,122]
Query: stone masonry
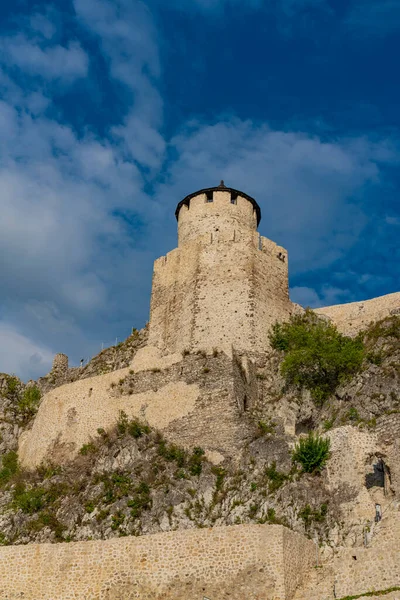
[195,400]
[353,317]
[224,285]
[258,562]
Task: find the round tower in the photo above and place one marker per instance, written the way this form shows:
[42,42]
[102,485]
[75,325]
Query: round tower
[225,285]
[217,210]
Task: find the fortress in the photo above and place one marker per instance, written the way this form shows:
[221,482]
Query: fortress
[219,292]
[214,300]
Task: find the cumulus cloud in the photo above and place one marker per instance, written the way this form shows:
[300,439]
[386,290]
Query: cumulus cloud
[22,356]
[66,199]
[127,36]
[49,61]
[326,296]
[308,188]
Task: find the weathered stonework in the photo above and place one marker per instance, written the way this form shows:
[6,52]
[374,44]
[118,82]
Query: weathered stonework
[261,562]
[355,316]
[224,285]
[195,400]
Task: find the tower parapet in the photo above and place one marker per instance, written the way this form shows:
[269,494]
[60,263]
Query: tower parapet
[225,285]
[217,211]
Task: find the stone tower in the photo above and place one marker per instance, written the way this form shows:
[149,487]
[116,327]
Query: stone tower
[225,285]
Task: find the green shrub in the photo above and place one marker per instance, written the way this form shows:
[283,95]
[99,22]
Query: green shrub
[89,448]
[29,501]
[196,461]
[3,540]
[309,515]
[275,478]
[131,427]
[12,387]
[117,519]
[141,500]
[220,474]
[116,486]
[171,453]
[317,356]
[265,427]
[9,467]
[29,402]
[312,452]
[353,415]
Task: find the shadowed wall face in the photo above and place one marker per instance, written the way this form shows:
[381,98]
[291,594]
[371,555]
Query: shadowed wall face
[224,286]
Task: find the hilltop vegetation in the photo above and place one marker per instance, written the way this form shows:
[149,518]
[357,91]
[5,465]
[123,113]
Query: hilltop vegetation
[316,356]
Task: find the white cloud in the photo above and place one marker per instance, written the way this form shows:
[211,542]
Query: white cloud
[22,356]
[327,296]
[308,188]
[50,62]
[44,24]
[127,36]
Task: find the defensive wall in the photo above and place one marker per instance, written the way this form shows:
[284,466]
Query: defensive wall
[195,400]
[362,570]
[256,562]
[224,285]
[352,317]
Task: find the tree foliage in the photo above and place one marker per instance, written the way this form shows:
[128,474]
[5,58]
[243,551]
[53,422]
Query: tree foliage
[317,356]
[312,452]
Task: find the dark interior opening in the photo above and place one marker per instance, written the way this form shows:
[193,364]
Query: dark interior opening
[304,426]
[376,478]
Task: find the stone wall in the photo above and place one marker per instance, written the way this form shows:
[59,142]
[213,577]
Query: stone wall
[361,570]
[223,286]
[247,561]
[353,317]
[196,400]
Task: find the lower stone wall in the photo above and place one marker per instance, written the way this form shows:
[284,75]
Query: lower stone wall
[244,561]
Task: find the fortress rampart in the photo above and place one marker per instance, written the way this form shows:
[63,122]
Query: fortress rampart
[194,400]
[353,317]
[260,562]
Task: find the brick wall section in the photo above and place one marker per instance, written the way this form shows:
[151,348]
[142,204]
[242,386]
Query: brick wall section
[223,286]
[160,566]
[353,317]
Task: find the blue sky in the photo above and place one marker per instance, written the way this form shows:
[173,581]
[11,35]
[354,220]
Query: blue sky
[112,110]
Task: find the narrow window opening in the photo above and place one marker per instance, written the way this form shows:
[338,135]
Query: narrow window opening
[234,198]
[259,242]
[209,196]
[245,404]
